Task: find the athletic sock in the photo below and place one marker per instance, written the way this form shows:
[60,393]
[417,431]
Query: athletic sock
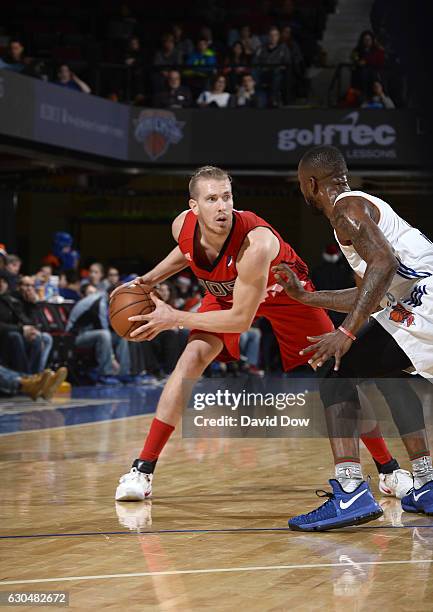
[349,474]
[387,468]
[376,445]
[156,439]
[422,470]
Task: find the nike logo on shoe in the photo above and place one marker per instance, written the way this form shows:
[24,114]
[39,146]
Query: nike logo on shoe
[416,497]
[344,505]
[139,464]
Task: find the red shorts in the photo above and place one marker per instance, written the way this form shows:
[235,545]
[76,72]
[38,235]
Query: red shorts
[291,322]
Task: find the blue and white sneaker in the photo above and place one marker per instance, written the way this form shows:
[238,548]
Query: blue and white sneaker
[419,500]
[340,510]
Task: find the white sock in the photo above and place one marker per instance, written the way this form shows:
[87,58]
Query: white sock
[349,475]
[422,470]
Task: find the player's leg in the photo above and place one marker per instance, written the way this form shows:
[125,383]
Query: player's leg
[374,354]
[201,349]
[291,324]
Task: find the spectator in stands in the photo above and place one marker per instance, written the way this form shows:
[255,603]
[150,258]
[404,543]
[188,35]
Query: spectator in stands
[72,289]
[20,341]
[43,384]
[277,56]
[162,353]
[45,288]
[88,321]
[28,298]
[250,349]
[247,96]
[174,95]
[14,59]
[236,62]
[168,55]
[66,78]
[183,45]
[96,276]
[203,58]
[3,255]
[133,58]
[217,96]
[251,43]
[297,64]
[13,267]
[377,97]
[368,59]
[112,280]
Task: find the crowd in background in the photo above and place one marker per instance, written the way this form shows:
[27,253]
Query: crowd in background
[58,317]
[225,60]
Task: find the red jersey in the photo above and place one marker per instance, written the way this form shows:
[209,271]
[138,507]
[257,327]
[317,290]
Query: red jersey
[219,278]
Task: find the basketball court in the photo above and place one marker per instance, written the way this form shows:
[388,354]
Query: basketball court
[215,534]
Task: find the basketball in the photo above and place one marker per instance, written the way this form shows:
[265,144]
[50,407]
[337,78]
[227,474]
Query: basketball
[128,302]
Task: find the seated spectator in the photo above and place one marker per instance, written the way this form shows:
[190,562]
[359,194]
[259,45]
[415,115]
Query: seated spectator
[378,98]
[217,96]
[96,276]
[28,298]
[168,55]
[162,353]
[250,42]
[42,385]
[174,95]
[12,267]
[14,59]
[88,321]
[133,54]
[112,280]
[368,59]
[45,288]
[183,45]
[3,255]
[247,96]
[71,290]
[236,62]
[277,56]
[250,349]
[66,78]
[203,58]
[21,345]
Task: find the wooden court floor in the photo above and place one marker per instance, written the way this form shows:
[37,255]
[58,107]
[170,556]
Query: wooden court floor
[213,538]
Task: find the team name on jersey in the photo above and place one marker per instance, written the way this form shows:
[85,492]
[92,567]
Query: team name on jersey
[217,288]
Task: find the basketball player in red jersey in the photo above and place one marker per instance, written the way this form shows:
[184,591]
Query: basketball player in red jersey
[231,253]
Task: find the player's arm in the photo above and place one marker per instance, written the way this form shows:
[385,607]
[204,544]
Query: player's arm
[353,222]
[340,300]
[256,255]
[170,265]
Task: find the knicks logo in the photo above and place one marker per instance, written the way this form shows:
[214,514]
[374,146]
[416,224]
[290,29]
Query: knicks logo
[157,130]
[216,288]
[399,314]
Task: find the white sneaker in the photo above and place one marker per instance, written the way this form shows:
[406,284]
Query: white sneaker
[134,486]
[397,484]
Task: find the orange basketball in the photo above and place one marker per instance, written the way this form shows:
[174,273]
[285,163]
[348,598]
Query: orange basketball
[129,302]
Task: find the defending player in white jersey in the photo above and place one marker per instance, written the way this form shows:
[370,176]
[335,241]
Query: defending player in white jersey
[395,262]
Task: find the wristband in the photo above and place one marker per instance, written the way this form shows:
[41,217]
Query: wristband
[347,333]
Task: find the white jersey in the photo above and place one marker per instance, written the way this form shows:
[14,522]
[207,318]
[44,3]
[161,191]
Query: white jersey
[408,304]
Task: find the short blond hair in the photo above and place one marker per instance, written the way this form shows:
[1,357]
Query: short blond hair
[207,172]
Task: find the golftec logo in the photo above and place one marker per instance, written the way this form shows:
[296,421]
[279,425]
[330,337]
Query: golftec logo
[348,133]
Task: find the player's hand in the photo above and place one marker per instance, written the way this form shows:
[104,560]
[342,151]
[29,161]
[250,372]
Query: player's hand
[137,281]
[162,318]
[334,344]
[288,280]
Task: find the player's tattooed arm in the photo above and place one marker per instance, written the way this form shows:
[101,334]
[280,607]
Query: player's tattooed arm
[353,222]
[342,300]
